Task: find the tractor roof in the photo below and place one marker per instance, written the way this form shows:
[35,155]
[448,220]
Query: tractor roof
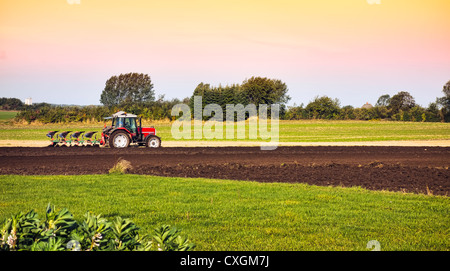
[121,114]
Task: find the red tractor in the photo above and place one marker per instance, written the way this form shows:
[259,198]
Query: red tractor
[125,131]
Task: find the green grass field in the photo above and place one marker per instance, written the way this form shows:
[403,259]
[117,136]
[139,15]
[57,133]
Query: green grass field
[239,215]
[7,115]
[289,131]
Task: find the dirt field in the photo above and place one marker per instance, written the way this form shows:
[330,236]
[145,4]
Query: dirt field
[409,169]
[396,143]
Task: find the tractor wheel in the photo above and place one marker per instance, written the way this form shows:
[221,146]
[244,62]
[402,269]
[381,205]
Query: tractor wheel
[119,139]
[153,142]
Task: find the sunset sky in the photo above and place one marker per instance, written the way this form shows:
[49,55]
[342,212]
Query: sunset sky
[61,51]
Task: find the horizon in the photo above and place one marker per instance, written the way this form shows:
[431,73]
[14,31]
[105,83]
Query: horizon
[63,51]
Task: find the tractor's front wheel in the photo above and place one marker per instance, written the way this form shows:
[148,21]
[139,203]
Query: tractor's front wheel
[119,139]
[153,142]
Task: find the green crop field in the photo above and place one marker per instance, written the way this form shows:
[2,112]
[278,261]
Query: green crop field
[289,131]
[241,215]
[7,115]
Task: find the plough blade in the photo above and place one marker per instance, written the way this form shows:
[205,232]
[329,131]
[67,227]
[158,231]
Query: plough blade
[53,141]
[73,139]
[87,138]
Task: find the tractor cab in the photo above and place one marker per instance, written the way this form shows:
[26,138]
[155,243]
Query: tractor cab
[128,123]
[125,129]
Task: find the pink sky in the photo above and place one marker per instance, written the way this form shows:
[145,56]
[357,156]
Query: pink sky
[58,52]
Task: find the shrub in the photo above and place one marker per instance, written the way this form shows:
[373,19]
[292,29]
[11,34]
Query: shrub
[121,167]
[59,231]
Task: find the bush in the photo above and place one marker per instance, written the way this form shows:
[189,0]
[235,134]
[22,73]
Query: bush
[10,104]
[59,231]
[121,167]
[323,108]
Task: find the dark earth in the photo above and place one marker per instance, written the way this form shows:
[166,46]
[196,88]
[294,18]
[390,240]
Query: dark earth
[422,170]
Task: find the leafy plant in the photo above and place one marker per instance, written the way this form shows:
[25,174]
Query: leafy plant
[61,222]
[59,231]
[125,233]
[169,239]
[89,234]
[19,230]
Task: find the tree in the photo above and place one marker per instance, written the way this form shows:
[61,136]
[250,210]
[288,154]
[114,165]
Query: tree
[384,100]
[347,112]
[401,101]
[445,102]
[127,89]
[262,90]
[432,113]
[446,89]
[323,108]
[256,90]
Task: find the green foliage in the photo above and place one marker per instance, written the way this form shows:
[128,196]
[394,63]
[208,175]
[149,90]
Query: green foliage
[128,89]
[89,234]
[11,104]
[169,239]
[323,108]
[256,90]
[401,107]
[45,113]
[445,102]
[59,231]
[262,90]
[401,101]
[124,232]
[63,114]
[384,100]
[28,232]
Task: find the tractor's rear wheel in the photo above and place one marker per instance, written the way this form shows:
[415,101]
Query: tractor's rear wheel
[153,142]
[119,139]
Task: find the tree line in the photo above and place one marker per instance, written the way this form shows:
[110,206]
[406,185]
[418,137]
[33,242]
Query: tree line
[134,93]
[256,90]
[46,113]
[11,104]
[400,107]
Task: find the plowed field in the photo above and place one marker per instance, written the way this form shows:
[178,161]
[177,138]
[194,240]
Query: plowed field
[409,169]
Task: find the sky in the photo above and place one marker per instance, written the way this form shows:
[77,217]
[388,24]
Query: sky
[63,51]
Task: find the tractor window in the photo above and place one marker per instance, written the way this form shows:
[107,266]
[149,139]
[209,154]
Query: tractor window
[130,124]
[118,122]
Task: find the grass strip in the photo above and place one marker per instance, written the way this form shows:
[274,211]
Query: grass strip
[240,215]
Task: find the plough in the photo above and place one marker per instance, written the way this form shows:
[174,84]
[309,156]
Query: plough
[64,140]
